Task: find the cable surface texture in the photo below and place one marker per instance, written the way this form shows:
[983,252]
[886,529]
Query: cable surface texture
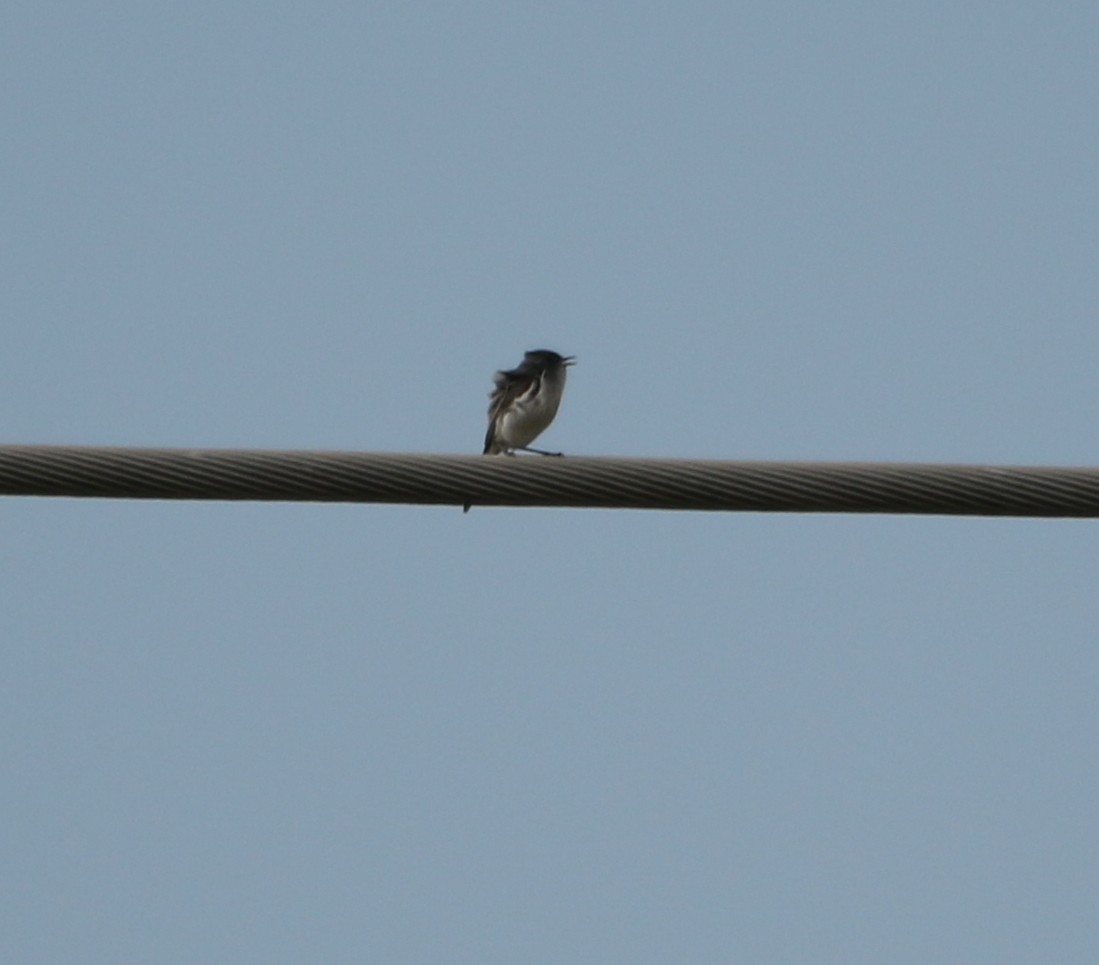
[576,481]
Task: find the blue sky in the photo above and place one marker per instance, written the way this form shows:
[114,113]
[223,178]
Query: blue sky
[345,733]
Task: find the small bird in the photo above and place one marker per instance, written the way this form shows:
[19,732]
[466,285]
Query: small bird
[524,403]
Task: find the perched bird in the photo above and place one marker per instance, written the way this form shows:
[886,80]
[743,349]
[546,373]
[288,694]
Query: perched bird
[524,403]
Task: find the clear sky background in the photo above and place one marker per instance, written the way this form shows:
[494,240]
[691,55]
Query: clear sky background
[297,733]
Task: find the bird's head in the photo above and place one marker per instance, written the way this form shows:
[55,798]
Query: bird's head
[543,358]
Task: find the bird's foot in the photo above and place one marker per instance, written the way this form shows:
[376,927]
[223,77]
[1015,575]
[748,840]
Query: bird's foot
[540,452]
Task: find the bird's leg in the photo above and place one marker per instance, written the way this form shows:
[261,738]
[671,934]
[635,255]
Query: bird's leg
[541,452]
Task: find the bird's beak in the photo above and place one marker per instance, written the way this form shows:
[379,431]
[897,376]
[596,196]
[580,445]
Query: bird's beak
[569,360]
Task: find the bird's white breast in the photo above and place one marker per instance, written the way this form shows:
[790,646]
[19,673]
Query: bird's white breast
[532,413]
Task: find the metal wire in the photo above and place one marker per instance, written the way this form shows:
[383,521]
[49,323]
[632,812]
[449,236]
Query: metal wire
[577,481]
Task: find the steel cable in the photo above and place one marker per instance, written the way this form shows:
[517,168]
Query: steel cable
[576,481]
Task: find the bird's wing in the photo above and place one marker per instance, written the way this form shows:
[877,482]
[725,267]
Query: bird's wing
[510,385]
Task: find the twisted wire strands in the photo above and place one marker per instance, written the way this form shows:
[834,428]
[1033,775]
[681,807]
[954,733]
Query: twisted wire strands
[577,481]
